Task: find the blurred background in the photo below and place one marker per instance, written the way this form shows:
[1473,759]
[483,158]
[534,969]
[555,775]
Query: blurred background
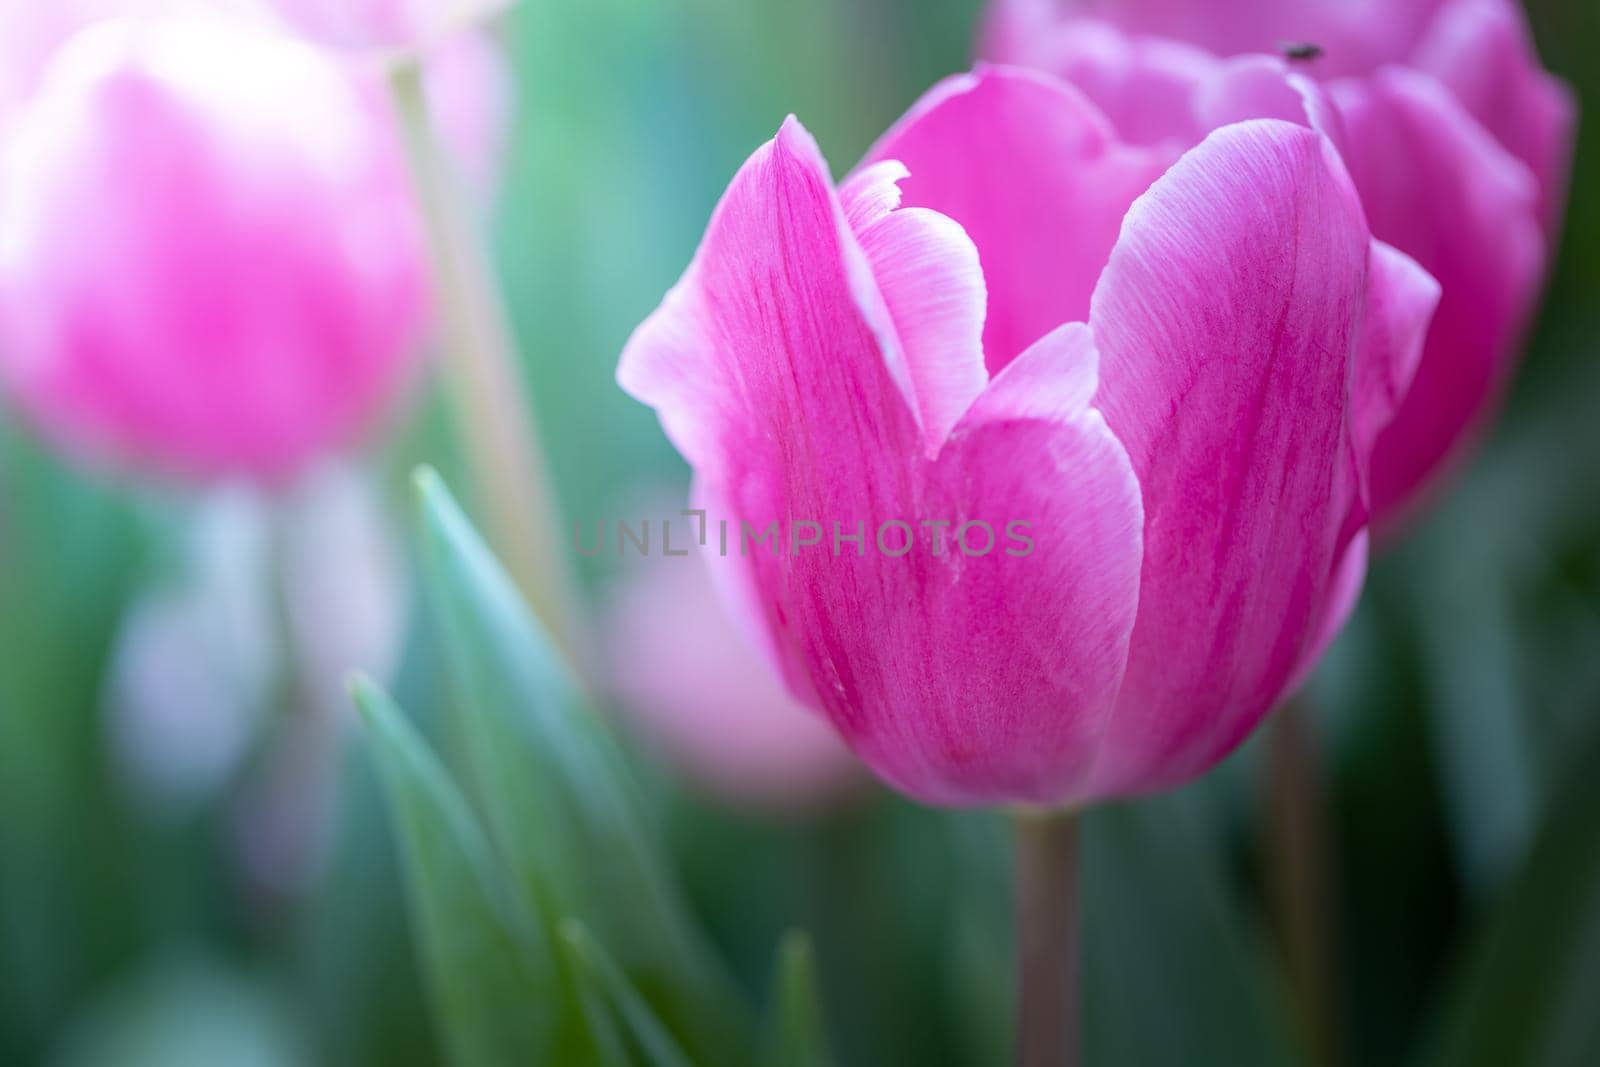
[195,869]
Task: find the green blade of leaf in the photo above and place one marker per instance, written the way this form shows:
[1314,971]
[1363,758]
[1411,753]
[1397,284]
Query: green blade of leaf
[608,994]
[1169,973]
[798,1038]
[555,791]
[1526,996]
[493,980]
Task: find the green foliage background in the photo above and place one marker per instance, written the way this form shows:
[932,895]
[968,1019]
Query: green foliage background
[1460,715]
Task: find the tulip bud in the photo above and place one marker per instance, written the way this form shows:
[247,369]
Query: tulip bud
[210,260]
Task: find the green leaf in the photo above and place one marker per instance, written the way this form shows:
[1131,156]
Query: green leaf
[491,972]
[798,1036]
[555,791]
[1169,972]
[609,998]
[1526,995]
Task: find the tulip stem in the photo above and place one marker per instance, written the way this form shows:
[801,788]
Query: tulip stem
[493,412]
[1298,860]
[1047,939]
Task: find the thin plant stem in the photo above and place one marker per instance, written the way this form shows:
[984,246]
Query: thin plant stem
[1047,940]
[1298,869]
[492,410]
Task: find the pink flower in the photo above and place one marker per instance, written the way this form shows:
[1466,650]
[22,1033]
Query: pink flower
[210,258]
[31,32]
[1141,412]
[701,693]
[468,80]
[1457,139]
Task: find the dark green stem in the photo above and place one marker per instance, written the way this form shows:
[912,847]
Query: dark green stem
[1047,940]
[1298,862]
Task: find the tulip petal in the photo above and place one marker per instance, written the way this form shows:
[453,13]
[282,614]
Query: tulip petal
[1159,92]
[761,362]
[777,314]
[1352,35]
[927,270]
[1343,596]
[1144,85]
[989,679]
[1227,321]
[1264,87]
[1482,51]
[1401,301]
[1034,174]
[1435,184]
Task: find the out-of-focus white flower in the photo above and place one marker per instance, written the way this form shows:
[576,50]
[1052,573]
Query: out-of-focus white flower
[201,661]
[193,665]
[344,583]
[345,601]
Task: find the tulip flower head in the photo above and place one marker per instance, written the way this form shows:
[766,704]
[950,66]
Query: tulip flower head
[1457,139]
[1065,450]
[210,261]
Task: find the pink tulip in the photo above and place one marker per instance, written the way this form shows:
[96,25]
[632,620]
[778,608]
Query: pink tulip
[468,80]
[701,693]
[1457,139]
[1158,397]
[210,260]
[30,33]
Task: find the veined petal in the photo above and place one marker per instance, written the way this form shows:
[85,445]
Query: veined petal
[773,345]
[1037,179]
[927,271]
[1228,321]
[1401,300]
[988,678]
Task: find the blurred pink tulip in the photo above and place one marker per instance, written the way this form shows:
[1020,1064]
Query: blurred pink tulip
[468,80]
[210,257]
[1175,386]
[1457,139]
[30,32]
[700,692]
